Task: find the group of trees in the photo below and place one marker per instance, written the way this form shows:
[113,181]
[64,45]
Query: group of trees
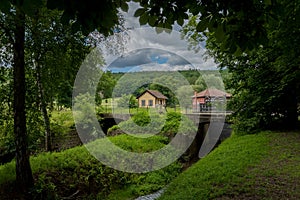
[264,70]
[195,80]
[42,46]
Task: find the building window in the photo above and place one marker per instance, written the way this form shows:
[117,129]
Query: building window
[150,103]
[143,103]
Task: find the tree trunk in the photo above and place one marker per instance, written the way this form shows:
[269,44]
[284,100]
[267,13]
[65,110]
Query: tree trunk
[291,120]
[41,93]
[48,143]
[24,177]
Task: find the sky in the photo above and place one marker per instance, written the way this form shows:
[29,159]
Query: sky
[146,50]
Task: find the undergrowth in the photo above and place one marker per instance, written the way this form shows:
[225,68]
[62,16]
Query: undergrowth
[76,172]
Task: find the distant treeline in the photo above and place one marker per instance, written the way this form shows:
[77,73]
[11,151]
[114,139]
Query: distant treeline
[136,82]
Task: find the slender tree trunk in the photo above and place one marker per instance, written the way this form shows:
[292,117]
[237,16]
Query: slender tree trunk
[48,143]
[41,92]
[24,177]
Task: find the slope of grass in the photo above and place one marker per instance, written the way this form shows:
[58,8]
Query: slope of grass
[261,166]
[76,173]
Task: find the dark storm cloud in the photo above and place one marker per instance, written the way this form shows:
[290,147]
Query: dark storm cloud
[146,56]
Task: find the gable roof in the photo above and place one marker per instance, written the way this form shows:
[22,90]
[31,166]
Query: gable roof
[154,93]
[212,92]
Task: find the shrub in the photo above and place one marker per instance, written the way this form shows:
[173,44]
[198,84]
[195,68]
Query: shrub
[62,122]
[165,125]
[142,122]
[75,171]
[127,101]
[174,121]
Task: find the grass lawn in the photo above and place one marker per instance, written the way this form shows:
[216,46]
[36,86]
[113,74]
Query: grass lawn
[260,166]
[110,105]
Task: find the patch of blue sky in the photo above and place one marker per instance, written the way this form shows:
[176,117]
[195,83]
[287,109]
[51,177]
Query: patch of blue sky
[159,59]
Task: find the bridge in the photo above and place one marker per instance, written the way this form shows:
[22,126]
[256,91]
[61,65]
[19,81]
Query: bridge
[195,117]
[212,130]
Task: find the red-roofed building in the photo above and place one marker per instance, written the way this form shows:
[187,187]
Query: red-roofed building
[151,98]
[203,101]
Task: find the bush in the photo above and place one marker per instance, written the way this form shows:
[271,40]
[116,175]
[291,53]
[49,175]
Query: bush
[165,125]
[127,101]
[139,124]
[174,121]
[76,171]
[62,122]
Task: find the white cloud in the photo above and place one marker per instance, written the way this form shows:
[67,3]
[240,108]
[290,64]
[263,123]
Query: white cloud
[130,20]
[167,46]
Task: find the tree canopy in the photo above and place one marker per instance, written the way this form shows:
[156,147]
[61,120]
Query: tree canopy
[236,25]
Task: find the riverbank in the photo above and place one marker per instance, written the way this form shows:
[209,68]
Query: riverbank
[260,166]
[76,174]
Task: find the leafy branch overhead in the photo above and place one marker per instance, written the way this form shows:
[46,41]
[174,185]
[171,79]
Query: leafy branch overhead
[88,15]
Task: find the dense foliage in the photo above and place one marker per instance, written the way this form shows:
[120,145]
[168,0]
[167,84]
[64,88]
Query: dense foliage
[266,80]
[76,171]
[147,122]
[173,87]
[16,40]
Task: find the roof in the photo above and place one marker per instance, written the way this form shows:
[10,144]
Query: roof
[154,93]
[212,92]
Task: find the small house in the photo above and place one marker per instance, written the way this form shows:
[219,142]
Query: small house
[204,101]
[151,98]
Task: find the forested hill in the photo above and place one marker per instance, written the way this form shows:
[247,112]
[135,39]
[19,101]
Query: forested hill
[193,77]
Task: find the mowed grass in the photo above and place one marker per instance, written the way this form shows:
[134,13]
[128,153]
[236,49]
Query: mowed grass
[260,166]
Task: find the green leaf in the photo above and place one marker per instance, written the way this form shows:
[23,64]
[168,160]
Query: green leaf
[202,25]
[53,4]
[194,10]
[180,21]
[152,20]
[168,26]
[139,12]
[219,33]
[268,2]
[124,6]
[31,6]
[5,6]
[143,19]
[65,18]
[75,27]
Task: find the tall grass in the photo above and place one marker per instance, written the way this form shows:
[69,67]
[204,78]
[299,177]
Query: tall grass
[61,174]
